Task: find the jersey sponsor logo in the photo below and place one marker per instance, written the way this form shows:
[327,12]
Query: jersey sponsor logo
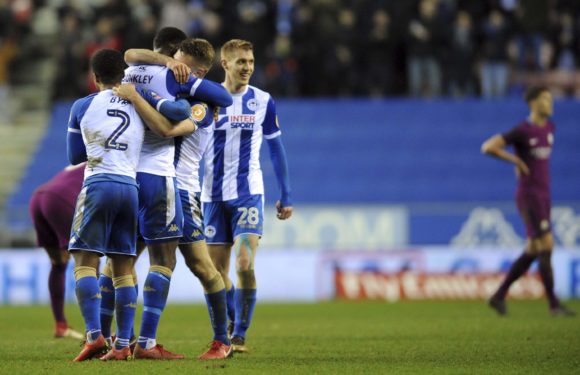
[252,105]
[173,228]
[242,121]
[198,112]
[541,152]
[210,231]
[138,78]
[196,233]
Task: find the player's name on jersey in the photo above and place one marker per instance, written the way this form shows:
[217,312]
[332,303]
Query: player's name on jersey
[138,78]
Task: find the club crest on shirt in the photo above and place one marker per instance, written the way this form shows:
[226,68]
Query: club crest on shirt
[252,104]
[198,112]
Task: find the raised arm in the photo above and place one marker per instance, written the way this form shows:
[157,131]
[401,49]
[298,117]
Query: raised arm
[209,92]
[159,124]
[495,146]
[136,56]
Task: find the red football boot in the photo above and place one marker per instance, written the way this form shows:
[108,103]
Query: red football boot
[217,350]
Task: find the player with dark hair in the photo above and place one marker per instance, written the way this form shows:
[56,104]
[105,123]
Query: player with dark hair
[106,132]
[160,211]
[167,40]
[532,141]
[52,208]
[198,54]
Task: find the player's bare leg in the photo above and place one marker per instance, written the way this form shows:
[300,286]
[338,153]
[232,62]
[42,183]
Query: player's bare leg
[197,259]
[162,263]
[56,286]
[245,247]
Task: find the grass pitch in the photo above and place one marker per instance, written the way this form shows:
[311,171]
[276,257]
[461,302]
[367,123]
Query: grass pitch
[325,338]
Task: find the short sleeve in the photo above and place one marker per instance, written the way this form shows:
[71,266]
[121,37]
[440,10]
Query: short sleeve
[514,136]
[77,112]
[270,126]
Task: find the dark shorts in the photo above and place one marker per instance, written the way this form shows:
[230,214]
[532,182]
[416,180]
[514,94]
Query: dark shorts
[52,218]
[535,211]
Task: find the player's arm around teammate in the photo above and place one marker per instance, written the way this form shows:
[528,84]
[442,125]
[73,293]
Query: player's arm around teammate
[156,121]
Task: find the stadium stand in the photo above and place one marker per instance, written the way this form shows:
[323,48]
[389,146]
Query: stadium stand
[368,152]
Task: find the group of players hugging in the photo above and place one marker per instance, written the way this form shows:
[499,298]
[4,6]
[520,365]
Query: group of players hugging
[135,149]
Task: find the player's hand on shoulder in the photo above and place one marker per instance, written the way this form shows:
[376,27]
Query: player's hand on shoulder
[126,91]
[283,213]
[180,70]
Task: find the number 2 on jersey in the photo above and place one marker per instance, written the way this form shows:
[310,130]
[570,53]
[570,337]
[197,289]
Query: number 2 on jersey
[111,142]
[249,215]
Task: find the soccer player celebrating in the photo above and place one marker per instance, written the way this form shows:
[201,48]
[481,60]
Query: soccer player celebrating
[532,141]
[105,131]
[52,208]
[232,185]
[160,211]
[189,151]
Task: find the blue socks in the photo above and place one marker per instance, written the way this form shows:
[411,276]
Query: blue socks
[107,303]
[230,300]
[155,293]
[125,306]
[245,300]
[89,300]
[216,306]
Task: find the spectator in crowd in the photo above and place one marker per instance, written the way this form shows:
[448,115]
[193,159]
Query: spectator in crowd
[69,82]
[8,51]
[105,36]
[377,47]
[425,40]
[462,57]
[379,64]
[532,17]
[494,55]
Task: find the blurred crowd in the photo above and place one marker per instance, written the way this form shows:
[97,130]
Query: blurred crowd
[418,48]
